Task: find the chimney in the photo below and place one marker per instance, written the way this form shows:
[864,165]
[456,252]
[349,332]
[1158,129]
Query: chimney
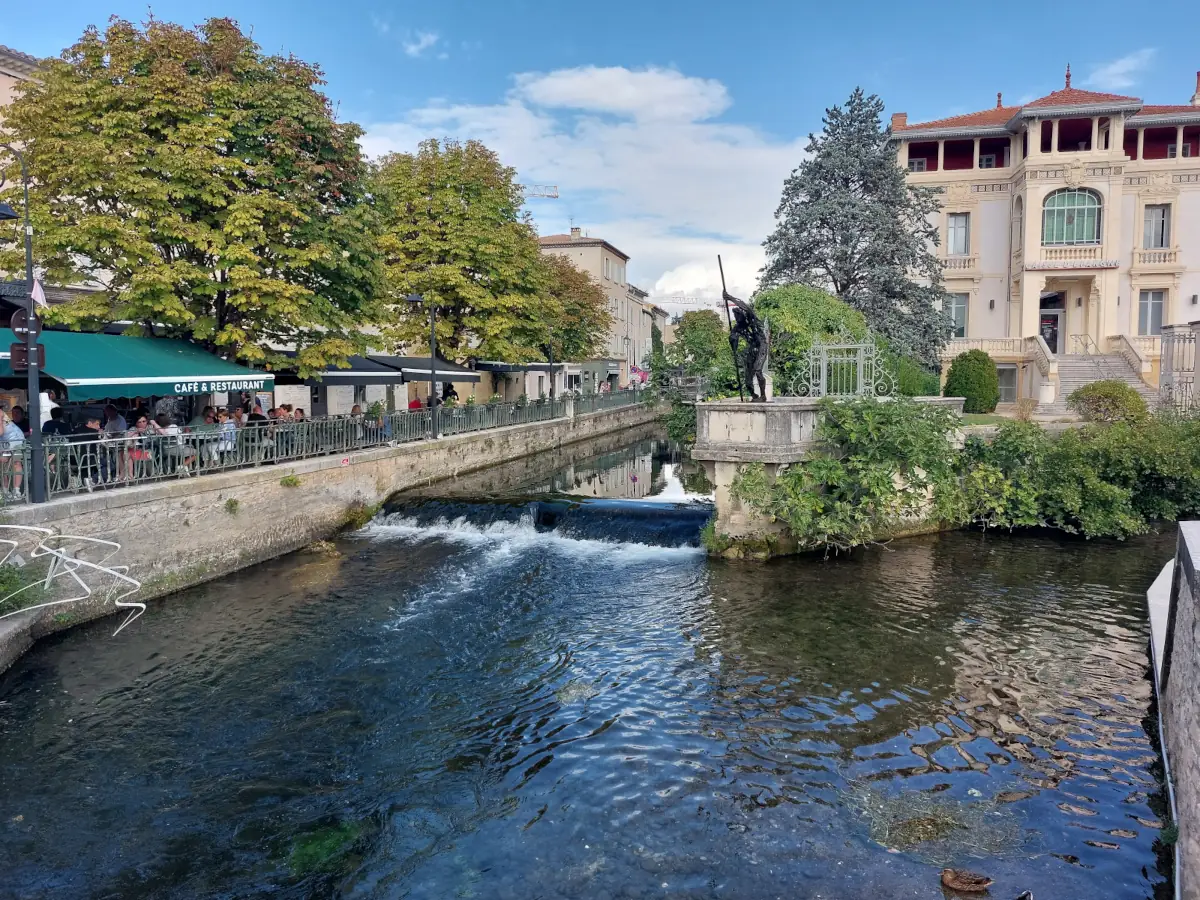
[999,99]
[575,233]
[1196,96]
[899,120]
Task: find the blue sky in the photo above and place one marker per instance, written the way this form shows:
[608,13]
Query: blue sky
[669,126]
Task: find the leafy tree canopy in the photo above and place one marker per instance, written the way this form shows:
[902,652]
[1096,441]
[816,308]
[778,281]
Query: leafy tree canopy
[701,348]
[798,315]
[453,232]
[849,222]
[204,185]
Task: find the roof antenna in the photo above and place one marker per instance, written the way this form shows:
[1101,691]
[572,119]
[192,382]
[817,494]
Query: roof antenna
[1068,74]
[999,101]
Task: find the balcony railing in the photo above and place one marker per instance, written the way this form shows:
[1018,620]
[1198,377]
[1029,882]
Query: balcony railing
[960,263]
[998,346]
[1149,345]
[1159,257]
[1080,253]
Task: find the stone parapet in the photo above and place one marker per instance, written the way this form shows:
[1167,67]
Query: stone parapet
[1174,605]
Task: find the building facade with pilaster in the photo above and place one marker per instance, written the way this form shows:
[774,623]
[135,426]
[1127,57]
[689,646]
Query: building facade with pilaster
[1070,232]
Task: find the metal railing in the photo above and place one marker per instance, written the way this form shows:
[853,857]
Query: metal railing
[589,403]
[84,463]
[1177,377]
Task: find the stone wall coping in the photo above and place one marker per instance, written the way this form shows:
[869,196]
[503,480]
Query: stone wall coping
[68,505]
[805,403]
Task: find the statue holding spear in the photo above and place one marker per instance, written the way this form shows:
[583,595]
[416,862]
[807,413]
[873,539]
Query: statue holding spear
[746,328]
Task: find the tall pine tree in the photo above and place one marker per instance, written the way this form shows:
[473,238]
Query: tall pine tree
[850,223]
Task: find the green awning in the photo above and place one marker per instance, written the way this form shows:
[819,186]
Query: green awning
[96,366]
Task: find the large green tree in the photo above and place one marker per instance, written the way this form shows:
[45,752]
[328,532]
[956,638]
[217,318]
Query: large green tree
[849,222]
[579,314]
[205,186]
[701,348]
[453,232]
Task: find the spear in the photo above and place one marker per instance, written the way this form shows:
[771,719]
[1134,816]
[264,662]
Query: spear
[737,373]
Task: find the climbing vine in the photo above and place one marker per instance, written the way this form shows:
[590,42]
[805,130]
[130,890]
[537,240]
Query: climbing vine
[888,465]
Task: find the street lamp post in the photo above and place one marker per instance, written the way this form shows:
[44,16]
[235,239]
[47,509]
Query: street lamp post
[433,401]
[33,405]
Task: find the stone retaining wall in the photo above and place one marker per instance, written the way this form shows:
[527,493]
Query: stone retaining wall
[1174,602]
[175,534]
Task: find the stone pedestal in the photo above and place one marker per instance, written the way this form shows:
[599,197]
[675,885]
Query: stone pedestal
[732,433]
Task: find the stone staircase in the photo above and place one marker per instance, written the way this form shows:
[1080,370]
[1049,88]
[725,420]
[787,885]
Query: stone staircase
[1076,371]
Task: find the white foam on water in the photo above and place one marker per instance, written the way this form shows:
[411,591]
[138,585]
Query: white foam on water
[500,543]
[503,540]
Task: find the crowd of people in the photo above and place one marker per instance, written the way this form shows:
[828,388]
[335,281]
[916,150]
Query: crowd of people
[120,444]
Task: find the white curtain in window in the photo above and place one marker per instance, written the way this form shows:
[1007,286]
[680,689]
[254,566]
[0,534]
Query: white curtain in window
[958,239]
[958,315]
[1157,231]
[1150,312]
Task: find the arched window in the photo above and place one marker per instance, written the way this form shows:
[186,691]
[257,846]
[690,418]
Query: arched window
[1071,216]
[1018,223]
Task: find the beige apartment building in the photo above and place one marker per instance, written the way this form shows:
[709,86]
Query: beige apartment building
[14,66]
[628,342]
[1070,233]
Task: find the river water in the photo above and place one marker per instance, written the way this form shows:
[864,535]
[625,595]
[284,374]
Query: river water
[525,700]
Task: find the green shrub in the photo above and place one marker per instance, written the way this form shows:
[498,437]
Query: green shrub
[1108,401]
[883,463]
[289,481]
[231,506]
[912,380]
[681,422]
[973,375]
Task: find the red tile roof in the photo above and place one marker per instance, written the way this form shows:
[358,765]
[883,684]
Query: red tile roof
[997,115]
[1070,96]
[1166,110]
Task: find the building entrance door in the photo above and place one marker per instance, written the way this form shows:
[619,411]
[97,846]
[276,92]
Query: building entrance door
[1050,327]
[1050,321]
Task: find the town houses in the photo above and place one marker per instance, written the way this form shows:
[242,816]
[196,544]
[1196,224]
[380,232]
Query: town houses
[1070,230]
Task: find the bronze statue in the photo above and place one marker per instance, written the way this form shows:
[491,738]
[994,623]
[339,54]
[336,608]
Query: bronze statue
[751,359]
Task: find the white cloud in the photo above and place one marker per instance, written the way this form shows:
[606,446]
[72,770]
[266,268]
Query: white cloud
[638,160]
[644,94]
[415,46]
[381,26]
[1121,74]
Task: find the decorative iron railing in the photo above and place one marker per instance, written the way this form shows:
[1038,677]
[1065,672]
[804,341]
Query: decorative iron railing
[1177,372]
[843,367]
[84,463]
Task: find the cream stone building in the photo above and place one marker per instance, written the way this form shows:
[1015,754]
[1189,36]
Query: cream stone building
[633,315]
[1070,233]
[15,66]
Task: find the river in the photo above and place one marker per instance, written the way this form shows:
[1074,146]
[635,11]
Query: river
[537,699]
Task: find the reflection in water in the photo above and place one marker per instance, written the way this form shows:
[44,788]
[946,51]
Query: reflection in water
[648,469]
[502,712]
